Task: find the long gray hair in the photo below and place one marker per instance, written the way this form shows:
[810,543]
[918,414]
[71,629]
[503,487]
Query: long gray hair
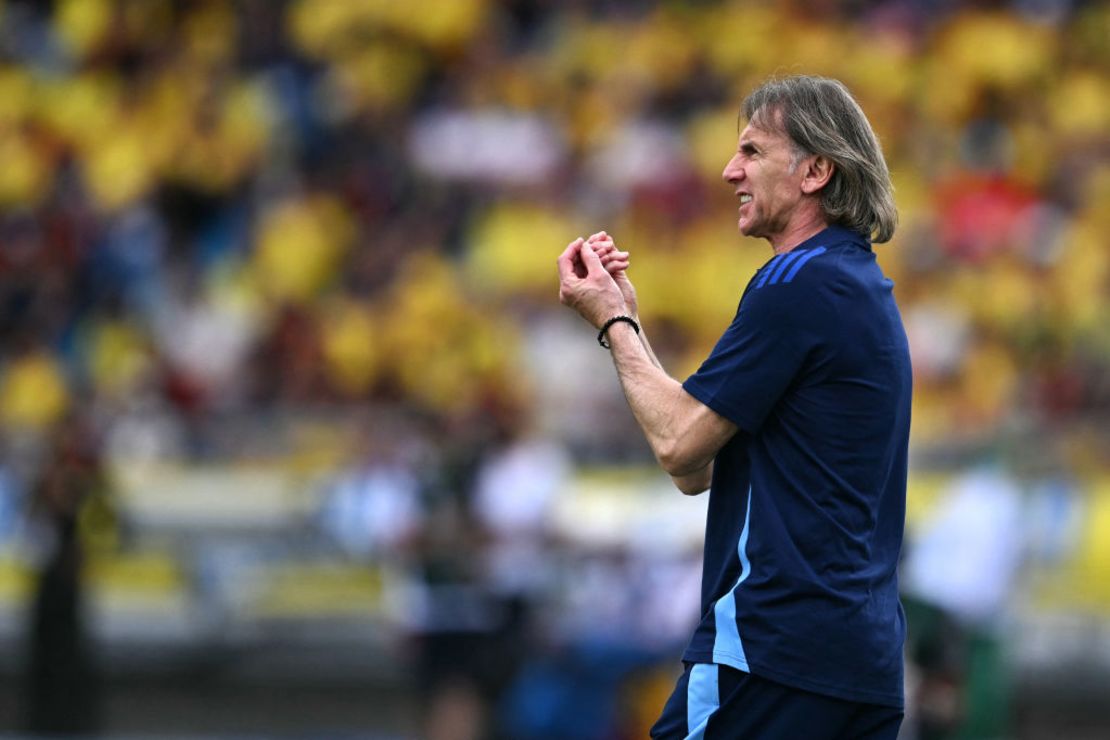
[821,117]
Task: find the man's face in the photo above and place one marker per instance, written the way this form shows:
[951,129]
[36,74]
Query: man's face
[767,179]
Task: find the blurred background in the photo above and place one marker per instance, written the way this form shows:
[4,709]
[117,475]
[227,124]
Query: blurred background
[297,441]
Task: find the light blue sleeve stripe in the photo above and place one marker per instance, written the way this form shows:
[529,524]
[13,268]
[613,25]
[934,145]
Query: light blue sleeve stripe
[702,699]
[727,646]
[786,263]
[798,265]
[769,269]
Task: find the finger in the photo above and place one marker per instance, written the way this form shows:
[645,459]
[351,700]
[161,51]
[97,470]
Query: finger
[567,258]
[572,248]
[597,236]
[609,250]
[601,249]
[590,260]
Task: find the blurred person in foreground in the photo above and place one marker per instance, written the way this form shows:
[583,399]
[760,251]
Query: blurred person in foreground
[797,423]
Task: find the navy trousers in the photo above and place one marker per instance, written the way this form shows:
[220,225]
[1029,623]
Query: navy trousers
[712,702]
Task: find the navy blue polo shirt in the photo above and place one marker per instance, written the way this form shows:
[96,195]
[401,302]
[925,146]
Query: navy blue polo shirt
[807,503]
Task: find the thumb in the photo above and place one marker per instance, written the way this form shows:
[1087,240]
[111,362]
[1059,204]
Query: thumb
[590,259]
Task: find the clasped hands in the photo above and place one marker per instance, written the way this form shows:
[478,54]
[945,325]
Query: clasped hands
[593,281]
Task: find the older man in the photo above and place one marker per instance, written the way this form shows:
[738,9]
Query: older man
[797,423]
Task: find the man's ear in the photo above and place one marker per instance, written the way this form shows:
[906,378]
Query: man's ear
[818,171]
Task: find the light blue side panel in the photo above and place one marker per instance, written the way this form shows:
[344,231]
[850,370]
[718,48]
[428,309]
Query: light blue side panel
[727,645]
[702,699]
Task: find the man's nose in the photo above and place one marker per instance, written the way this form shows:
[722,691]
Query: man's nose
[732,171]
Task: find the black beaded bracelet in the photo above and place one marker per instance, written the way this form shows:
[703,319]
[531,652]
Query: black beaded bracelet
[610,322]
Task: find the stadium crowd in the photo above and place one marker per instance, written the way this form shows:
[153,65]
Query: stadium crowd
[215,210]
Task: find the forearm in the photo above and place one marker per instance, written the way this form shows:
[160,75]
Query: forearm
[647,347]
[698,481]
[656,400]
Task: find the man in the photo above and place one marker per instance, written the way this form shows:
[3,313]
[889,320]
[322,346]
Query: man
[797,422]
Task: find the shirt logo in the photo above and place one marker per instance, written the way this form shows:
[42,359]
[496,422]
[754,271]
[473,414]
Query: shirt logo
[784,267]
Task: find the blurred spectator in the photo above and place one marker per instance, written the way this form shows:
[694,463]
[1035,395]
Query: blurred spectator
[70,495]
[372,508]
[958,580]
[515,490]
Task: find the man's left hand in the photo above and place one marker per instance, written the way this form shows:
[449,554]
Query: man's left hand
[586,286]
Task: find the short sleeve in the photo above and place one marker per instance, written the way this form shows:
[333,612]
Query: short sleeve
[763,352]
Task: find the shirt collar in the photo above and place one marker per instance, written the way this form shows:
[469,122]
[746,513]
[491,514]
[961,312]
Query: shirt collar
[835,234]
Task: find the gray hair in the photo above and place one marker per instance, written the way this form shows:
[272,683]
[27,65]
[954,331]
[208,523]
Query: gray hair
[821,117]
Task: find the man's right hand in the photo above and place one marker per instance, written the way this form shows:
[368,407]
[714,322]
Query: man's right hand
[616,264]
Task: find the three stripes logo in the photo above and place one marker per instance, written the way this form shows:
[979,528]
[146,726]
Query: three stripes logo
[785,267]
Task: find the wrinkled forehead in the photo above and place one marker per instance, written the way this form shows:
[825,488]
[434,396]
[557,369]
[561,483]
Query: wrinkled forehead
[768,124]
[763,131]
[768,119]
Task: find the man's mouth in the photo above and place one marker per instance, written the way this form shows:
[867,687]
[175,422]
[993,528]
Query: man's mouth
[745,198]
